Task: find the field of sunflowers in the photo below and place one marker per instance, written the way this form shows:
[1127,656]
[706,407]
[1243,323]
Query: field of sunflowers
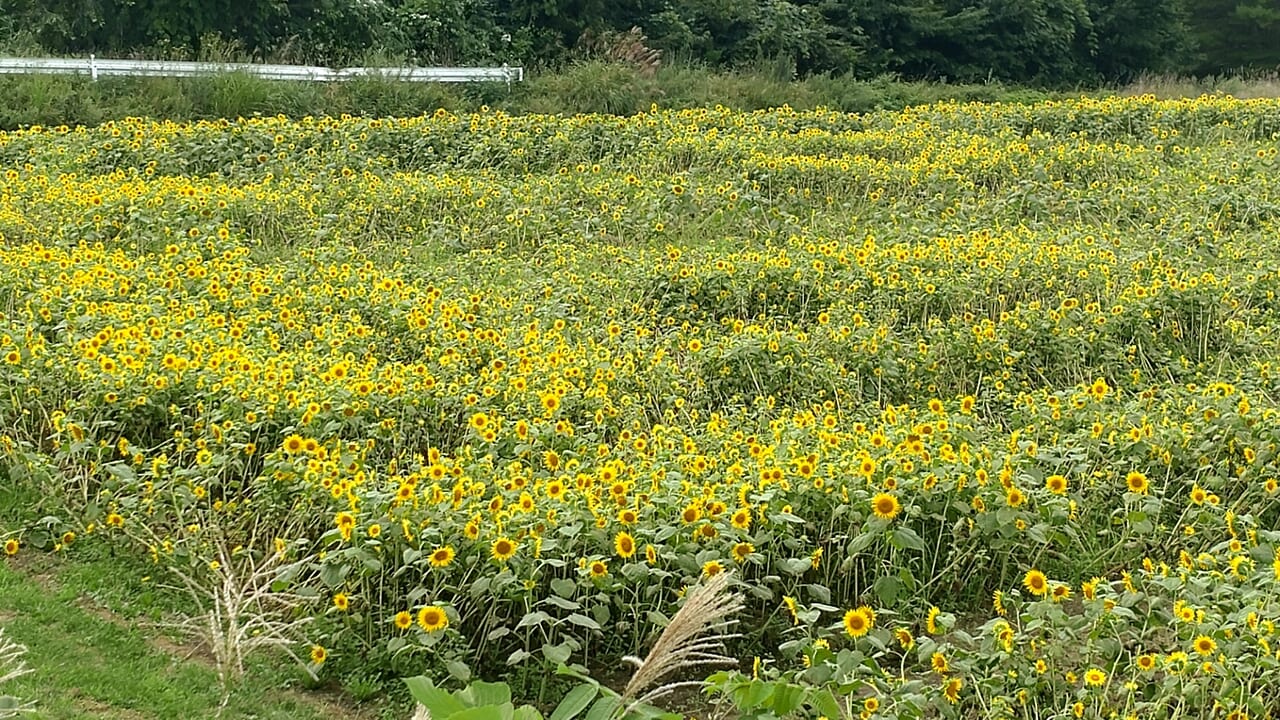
[980,404]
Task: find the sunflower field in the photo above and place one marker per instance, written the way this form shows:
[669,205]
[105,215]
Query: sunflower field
[979,403]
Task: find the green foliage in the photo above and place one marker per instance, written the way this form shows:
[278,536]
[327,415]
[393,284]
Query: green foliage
[1234,34]
[1045,42]
[481,700]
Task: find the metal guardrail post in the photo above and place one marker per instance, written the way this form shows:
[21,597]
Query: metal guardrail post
[96,68]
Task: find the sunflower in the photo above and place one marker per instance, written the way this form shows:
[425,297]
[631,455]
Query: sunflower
[403,620]
[790,604]
[859,621]
[951,690]
[442,556]
[551,459]
[1014,497]
[1056,484]
[742,550]
[885,506]
[11,546]
[432,618]
[345,522]
[551,402]
[1061,592]
[342,602]
[931,620]
[1136,482]
[711,568]
[741,518]
[939,663]
[867,467]
[1204,645]
[905,640]
[691,514]
[1198,495]
[1146,662]
[318,655]
[1094,677]
[624,545]
[1035,582]
[599,569]
[627,516]
[503,549]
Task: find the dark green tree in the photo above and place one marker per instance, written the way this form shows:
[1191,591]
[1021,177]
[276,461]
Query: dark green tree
[1135,36]
[1236,34]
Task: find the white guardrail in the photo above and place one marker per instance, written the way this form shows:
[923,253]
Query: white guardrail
[95,67]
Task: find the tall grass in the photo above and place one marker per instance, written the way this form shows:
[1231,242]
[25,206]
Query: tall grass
[1240,85]
[587,86]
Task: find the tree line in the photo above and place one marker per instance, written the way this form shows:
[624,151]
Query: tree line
[1041,42]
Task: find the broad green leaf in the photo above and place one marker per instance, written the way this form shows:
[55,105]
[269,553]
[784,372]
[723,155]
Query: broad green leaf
[562,603]
[439,703]
[575,702]
[556,653]
[526,712]
[904,538]
[534,618]
[503,711]
[583,621]
[604,708]
[485,693]
[459,670]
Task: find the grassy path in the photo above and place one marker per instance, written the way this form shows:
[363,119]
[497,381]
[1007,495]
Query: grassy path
[89,662]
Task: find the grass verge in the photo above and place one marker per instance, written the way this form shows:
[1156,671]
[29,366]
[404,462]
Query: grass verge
[90,661]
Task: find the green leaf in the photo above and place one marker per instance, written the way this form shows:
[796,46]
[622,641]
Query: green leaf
[486,693]
[583,621]
[485,712]
[563,587]
[887,589]
[860,543]
[526,712]
[825,703]
[439,703]
[752,695]
[575,702]
[556,653]
[820,593]
[604,708]
[534,618]
[459,670]
[796,566]
[562,603]
[904,538]
[120,471]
